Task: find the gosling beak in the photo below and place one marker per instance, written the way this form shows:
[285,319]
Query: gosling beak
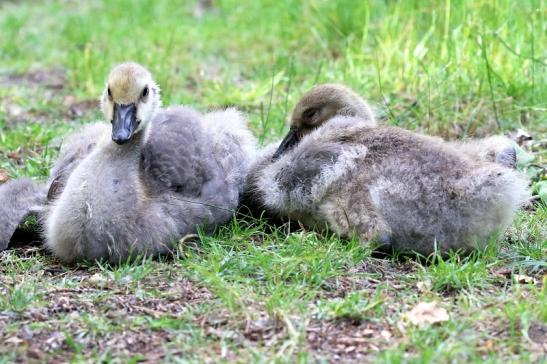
[125,123]
[291,139]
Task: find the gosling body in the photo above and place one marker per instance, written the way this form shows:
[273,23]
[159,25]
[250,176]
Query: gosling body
[400,189]
[151,185]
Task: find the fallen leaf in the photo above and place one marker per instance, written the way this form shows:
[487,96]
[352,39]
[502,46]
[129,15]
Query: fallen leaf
[4,177]
[489,345]
[426,313]
[14,340]
[524,279]
[386,335]
[16,156]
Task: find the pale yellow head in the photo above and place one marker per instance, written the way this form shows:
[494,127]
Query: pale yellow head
[130,100]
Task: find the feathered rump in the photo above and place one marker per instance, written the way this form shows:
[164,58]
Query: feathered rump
[233,144]
[203,159]
[233,149]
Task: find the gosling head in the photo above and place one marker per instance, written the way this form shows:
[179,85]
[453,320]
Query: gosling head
[130,100]
[319,105]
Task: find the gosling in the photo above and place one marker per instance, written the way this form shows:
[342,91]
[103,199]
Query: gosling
[400,190]
[160,175]
[19,199]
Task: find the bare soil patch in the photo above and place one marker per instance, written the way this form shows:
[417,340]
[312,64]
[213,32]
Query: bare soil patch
[51,78]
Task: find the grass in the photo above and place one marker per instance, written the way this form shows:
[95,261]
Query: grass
[251,293]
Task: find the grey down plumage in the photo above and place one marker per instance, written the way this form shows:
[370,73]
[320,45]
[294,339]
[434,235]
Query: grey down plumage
[18,199]
[387,185]
[179,170]
[75,148]
[23,197]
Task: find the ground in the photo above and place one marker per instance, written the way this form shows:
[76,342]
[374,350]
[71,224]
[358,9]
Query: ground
[254,293]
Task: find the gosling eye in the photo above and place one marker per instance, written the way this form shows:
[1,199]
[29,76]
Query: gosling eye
[309,114]
[109,92]
[145,92]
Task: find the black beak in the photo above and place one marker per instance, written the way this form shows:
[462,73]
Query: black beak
[291,139]
[124,123]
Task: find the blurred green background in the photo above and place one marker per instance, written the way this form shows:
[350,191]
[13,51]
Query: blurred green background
[451,68]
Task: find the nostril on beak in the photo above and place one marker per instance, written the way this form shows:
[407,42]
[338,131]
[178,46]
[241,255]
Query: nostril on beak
[120,139]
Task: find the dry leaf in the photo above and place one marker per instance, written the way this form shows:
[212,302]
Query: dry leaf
[489,345]
[426,313]
[14,340]
[4,177]
[524,279]
[14,156]
[386,335]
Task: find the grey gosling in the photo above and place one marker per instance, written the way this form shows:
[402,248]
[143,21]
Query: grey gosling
[24,197]
[403,190]
[19,199]
[158,176]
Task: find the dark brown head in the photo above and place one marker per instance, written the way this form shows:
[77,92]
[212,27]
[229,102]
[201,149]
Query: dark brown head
[319,105]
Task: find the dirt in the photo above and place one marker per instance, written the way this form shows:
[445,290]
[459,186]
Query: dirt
[346,341]
[50,78]
[47,332]
[80,108]
[53,330]
[366,276]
